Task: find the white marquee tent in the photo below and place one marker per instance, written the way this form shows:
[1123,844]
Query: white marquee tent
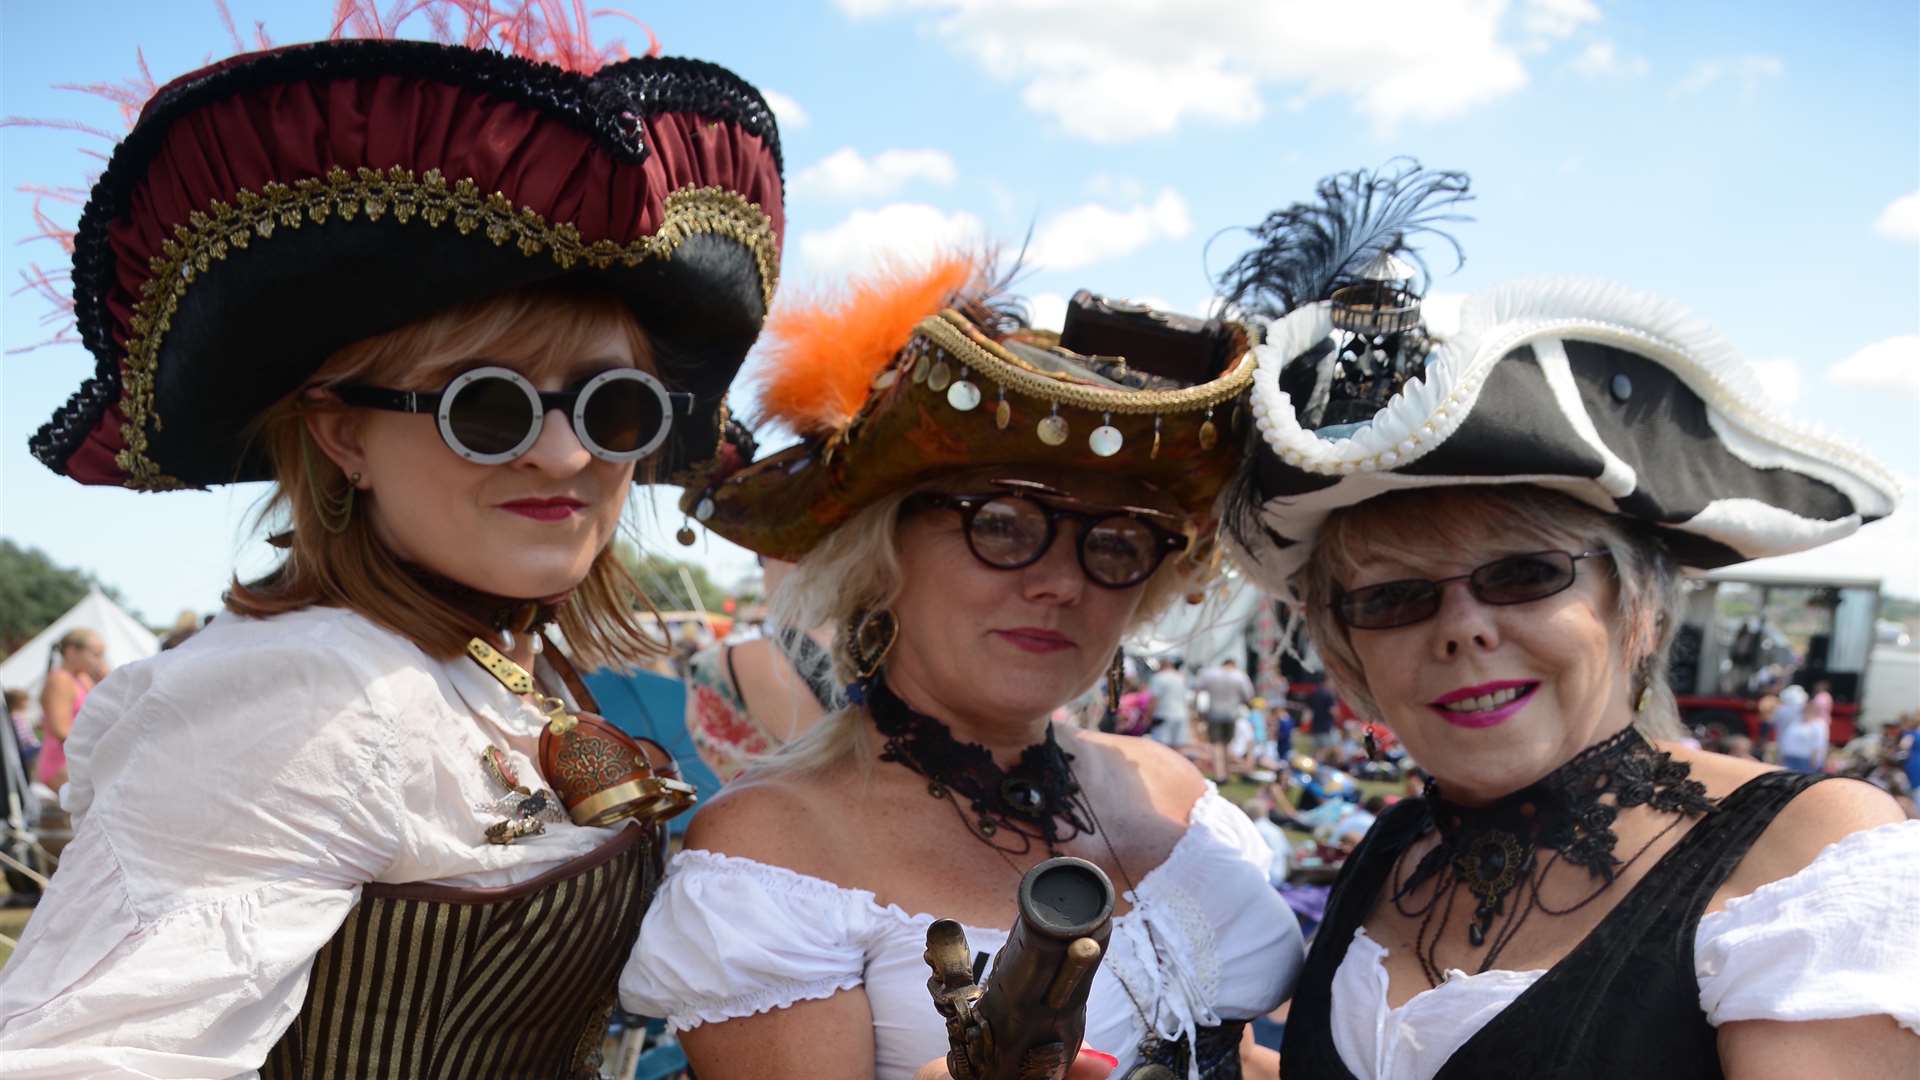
[126,641]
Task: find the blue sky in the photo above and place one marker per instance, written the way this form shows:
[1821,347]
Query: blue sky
[1754,162]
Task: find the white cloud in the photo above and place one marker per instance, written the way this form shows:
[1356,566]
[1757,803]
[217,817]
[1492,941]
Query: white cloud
[1893,364]
[1780,378]
[909,231]
[845,174]
[1111,72]
[785,109]
[1047,311]
[1557,18]
[1091,232]
[1600,58]
[1746,72]
[1901,219]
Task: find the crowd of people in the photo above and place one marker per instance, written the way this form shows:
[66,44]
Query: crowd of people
[454,301]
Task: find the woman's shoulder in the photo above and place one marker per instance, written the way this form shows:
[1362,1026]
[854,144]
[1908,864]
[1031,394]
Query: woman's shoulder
[762,818]
[1164,773]
[1818,817]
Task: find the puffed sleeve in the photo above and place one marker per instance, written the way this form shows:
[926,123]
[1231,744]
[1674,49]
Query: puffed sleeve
[229,802]
[1839,939]
[729,937]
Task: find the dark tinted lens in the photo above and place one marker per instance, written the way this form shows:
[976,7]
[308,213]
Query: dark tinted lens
[490,415]
[622,415]
[1393,603]
[1118,551]
[1008,532]
[1520,578]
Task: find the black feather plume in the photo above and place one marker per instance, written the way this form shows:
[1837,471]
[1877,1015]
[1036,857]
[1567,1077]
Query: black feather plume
[1309,249]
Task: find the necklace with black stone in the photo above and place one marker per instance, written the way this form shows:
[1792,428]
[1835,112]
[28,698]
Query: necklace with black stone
[1036,803]
[1502,852]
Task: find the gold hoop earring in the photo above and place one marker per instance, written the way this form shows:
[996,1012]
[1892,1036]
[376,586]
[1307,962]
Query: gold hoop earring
[867,639]
[334,511]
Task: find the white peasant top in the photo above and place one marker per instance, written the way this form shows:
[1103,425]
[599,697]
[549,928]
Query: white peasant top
[1206,940]
[1839,939]
[230,797]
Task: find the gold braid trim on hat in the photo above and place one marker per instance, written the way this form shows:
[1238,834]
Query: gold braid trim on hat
[429,199]
[951,331]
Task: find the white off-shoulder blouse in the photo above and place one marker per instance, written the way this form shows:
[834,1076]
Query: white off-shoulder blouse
[1206,940]
[230,797]
[1839,939]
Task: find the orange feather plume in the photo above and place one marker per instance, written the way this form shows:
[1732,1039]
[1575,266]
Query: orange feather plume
[820,357]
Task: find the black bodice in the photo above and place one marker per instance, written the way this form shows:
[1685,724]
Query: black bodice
[1625,1002]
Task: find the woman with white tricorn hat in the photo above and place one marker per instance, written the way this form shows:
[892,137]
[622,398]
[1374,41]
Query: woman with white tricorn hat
[452,299]
[1485,532]
[984,511]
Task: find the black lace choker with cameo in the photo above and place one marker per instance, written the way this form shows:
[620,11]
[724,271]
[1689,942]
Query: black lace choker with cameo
[1037,802]
[1500,853]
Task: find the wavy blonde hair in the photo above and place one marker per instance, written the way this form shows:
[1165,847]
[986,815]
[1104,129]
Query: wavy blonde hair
[857,568]
[608,621]
[1411,525]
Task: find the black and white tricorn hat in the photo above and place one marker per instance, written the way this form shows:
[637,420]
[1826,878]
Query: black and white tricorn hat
[1611,395]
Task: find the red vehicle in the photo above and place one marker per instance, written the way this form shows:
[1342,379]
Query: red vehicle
[1746,631]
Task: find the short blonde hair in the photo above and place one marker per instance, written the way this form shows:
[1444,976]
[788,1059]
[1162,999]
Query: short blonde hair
[857,568]
[1412,525]
[540,325]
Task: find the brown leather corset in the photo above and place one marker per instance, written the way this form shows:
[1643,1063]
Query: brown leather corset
[448,983]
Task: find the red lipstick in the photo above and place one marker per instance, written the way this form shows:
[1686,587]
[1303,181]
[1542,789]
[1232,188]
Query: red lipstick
[1035,639]
[558,508]
[1484,705]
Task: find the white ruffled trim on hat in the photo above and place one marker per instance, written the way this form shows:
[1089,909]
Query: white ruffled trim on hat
[1429,408]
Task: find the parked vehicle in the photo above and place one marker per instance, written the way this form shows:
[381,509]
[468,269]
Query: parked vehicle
[1747,631]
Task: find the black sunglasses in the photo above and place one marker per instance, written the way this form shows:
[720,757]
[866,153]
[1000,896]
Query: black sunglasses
[492,415]
[1515,579]
[1117,549]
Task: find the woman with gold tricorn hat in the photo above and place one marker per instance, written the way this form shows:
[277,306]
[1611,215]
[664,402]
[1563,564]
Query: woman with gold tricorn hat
[452,298]
[985,511]
[1485,528]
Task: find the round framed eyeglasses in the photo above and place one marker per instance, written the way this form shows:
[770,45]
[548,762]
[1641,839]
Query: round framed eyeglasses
[1118,549]
[493,415]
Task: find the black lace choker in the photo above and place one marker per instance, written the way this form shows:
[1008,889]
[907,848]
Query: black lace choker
[505,614]
[1495,851]
[1037,802]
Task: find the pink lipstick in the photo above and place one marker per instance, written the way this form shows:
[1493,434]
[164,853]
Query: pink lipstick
[555,509]
[1485,705]
[1035,639]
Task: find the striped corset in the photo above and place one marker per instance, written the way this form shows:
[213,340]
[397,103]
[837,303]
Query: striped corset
[437,982]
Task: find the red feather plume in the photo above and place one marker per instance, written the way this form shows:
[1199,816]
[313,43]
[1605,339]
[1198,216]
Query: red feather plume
[820,357]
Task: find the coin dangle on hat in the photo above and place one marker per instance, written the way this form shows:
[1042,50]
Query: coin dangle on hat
[1052,429]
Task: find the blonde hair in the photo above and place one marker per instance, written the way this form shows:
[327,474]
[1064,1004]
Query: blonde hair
[536,326]
[857,569]
[1411,525]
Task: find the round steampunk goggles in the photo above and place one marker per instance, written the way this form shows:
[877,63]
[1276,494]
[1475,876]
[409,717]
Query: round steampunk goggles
[493,415]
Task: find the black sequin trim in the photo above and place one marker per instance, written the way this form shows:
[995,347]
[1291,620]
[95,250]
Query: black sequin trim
[610,104]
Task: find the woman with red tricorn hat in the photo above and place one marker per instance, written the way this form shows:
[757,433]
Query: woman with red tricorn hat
[452,298]
[1485,529]
[984,512]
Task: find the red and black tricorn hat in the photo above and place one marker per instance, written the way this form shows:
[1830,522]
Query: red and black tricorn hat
[272,208]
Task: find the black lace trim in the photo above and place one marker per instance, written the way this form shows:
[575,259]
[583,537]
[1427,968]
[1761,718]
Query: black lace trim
[610,104]
[1495,851]
[1038,801]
